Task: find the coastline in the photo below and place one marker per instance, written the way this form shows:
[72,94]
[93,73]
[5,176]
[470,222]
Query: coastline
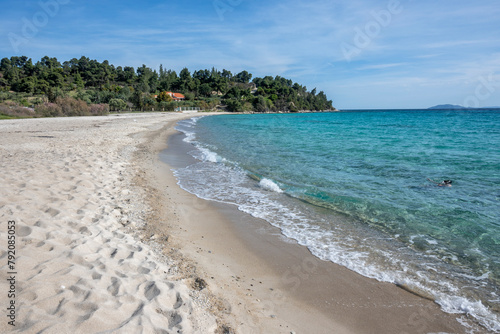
[107,241]
[275,285]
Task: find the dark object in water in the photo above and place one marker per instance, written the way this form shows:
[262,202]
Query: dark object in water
[445,183]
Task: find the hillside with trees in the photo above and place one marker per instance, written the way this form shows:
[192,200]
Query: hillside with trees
[89,87]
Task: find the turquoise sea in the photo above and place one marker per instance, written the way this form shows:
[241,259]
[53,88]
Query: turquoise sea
[352,187]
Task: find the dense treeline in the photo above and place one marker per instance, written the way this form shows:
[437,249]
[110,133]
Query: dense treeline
[49,82]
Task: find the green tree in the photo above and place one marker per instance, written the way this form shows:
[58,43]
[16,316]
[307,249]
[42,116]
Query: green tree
[234,93]
[4,84]
[185,80]
[138,100]
[234,105]
[260,104]
[78,81]
[27,85]
[168,79]
[205,90]
[227,75]
[243,77]
[117,104]
[164,97]
[5,65]
[100,82]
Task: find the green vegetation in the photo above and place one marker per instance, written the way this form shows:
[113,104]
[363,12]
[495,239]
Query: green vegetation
[88,87]
[6,117]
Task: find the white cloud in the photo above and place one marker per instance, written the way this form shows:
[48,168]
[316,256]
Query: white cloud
[380,66]
[449,44]
[429,48]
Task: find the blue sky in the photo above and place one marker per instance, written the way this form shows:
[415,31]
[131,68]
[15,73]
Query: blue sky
[362,54]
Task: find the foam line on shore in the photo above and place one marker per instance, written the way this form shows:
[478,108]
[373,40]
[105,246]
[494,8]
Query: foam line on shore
[108,242]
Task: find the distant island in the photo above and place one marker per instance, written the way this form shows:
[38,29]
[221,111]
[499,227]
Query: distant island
[88,87]
[448,106]
[456,107]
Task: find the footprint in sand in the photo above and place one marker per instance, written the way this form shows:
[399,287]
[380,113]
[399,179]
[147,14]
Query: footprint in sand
[47,247]
[96,275]
[23,231]
[174,319]
[89,308]
[41,224]
[85,231]
[59,306]
[122,275]
[29,296]
[52,212]
[151,291]
[114,288]
[178,302]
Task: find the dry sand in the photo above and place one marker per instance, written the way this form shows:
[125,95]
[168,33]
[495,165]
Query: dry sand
[108,243]
[68,183]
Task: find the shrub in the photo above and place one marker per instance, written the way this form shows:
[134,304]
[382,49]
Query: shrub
[83,95]
[73,107]
[149,102]
[117,104]
[164,97]
[234,105]
[166,106]
[49,109]
[99,109]
[69,106]
[203,105]
[260,104]
[189,96]
[12,109]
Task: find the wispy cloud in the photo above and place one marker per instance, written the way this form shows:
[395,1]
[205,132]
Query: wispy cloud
[428,51]
[449,44]
[380,66]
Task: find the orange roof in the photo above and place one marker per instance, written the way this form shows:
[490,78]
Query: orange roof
[176,96]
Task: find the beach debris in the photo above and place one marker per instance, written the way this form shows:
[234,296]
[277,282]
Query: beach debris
[225,329]
[199,284]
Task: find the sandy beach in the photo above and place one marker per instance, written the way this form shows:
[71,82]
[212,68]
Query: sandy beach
[107,242]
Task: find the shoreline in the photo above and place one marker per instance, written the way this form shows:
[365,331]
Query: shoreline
[282,282]
[107,241]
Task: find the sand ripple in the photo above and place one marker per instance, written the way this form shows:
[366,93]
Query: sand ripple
[79,269]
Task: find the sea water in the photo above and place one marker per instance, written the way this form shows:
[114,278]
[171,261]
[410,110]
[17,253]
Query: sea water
[353,187]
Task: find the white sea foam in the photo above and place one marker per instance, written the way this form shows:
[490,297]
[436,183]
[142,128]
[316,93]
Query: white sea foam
[456,304]
[231,185]
[222,183]
[186,126]
[209,156]
[202,153]
[269,185]
[190,136]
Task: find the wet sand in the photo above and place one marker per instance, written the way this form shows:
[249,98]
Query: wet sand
[107,242]
[273,284]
